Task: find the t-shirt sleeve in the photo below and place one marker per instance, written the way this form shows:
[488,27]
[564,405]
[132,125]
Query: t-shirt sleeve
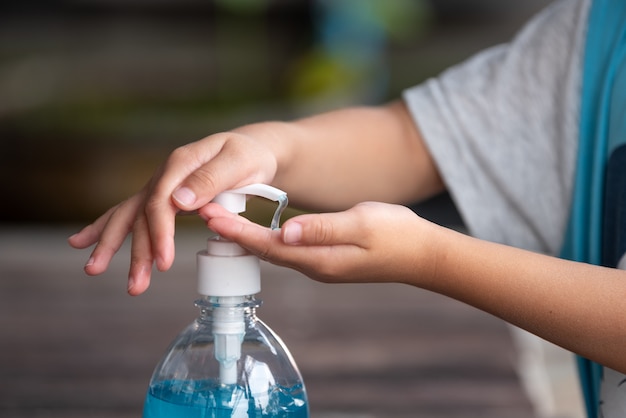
[503,130]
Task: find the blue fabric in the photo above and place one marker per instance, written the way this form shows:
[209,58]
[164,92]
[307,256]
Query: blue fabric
[602,130]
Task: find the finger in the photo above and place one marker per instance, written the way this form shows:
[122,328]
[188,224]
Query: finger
[324,229]
[141,258]
[158,223]
[200,183]
[326,263]
[90,234]
[224,169]
[113,231]
[312,230]
[214,210]
[251,236]
[167,197]
[160,208]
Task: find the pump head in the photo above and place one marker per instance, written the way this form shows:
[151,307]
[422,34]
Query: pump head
[225,268]
[234,200]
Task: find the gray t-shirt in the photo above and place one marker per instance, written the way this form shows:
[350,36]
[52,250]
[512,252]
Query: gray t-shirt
[503,130]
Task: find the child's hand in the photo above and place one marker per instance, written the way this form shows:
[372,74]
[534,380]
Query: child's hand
[372,242]
[189,179]
[325,162]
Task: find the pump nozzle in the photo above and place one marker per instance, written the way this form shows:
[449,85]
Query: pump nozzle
[235,200]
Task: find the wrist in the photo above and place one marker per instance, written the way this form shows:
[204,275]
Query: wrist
[431,255]
[277,137]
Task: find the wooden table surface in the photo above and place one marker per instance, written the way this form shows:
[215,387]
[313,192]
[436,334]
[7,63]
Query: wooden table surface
[76,346]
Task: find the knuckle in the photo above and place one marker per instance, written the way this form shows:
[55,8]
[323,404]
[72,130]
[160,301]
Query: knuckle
[118,215]
[363,214]
[265,249]
[323,232]
[153,201]
[180,155]
[264,254]
[363,210]
[326,269]
[327,274]
[153,204]
[207,179]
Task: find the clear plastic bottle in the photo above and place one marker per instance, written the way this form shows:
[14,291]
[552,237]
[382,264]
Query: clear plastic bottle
[188,382]
[228,363]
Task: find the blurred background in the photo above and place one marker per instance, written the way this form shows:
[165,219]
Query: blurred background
[94,94]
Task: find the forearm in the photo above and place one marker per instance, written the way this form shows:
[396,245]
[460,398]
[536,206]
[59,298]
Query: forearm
[574,305]
[334,160]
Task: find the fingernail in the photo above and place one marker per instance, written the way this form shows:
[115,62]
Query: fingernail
[160,262]
[90,262]
[131,283]
[185,196]
[292,233]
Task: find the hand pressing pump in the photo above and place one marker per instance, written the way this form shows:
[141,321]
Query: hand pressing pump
[228,363]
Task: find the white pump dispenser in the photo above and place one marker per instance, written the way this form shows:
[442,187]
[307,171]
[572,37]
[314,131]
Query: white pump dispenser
[227,272]
[226,269]
[228,362]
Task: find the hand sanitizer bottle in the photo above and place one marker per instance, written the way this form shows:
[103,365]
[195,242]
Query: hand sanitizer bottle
[228,363]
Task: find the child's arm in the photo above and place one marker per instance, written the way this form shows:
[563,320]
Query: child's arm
[328,162]
[574,305]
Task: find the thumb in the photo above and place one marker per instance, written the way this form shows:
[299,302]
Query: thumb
[322,229]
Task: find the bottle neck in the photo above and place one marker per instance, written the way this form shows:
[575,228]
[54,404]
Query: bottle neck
[210,305]
[228,317]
